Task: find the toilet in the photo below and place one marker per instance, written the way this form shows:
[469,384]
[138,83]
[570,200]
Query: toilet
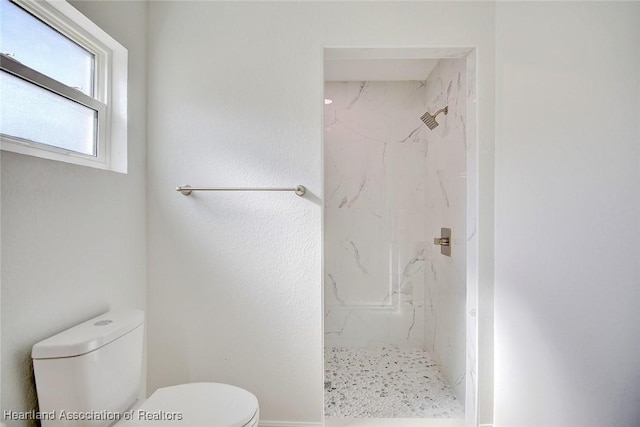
[89,375]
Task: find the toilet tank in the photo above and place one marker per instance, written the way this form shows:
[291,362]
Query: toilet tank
[92,370]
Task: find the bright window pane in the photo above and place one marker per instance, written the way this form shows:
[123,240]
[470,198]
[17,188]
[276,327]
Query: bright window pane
[37,45]
[29,112]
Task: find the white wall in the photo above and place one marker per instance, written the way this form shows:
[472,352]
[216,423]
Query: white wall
[567,214]
[73,241]
[235,98]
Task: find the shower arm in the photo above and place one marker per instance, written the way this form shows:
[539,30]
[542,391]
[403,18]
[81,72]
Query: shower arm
[444,110]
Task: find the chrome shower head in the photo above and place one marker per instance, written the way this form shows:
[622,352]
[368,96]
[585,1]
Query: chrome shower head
[430,120]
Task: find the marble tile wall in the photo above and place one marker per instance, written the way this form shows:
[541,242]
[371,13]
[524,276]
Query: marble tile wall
[446,192]
[376,151]
[471,396]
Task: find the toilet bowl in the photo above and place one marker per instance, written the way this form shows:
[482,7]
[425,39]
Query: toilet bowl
[89,376]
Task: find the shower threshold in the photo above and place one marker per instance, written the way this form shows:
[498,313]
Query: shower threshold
[393,422]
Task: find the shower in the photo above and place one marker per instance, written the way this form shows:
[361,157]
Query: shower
[394,306]
[394,344]
[430,120]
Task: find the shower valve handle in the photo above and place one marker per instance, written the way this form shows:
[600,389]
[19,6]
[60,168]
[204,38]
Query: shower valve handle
[442,241]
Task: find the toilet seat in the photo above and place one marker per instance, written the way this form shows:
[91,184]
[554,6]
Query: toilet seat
[197,405]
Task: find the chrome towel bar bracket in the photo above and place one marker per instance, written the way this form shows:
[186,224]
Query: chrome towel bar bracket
[186,190]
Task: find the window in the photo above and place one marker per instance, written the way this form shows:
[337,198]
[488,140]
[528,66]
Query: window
[63,86]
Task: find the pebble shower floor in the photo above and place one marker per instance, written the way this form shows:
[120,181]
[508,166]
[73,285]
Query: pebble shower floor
[386,383]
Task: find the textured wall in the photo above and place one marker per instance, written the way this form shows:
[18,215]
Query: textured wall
[73,241]
[375,213]
[235,98]
[446,206]
[567,214]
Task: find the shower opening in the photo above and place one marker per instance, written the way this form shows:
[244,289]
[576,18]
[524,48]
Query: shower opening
[395,306]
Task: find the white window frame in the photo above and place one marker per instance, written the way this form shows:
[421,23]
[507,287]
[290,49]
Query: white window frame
[110,88]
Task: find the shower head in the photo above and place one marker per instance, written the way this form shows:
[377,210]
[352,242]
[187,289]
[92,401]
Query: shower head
[430,120]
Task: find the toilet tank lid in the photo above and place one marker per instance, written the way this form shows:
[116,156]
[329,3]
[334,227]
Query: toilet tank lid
[89,336]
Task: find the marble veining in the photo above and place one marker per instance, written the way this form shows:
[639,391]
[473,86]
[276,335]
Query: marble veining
[375,146]
[386,383]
